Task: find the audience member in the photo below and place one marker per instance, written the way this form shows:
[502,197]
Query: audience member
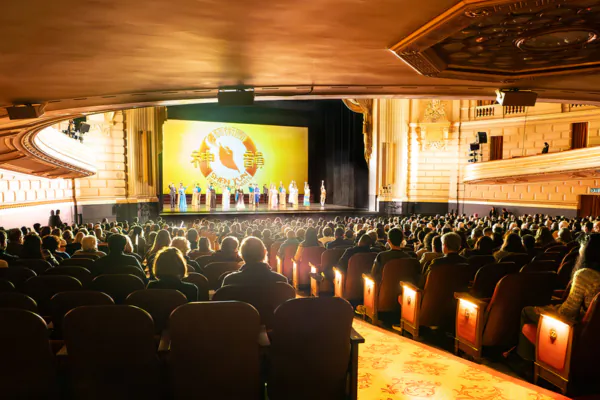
[169,269]
[451,243]
[89,247]
[395,240]
[116,258]
[9,258]
[512,245]
[32,249]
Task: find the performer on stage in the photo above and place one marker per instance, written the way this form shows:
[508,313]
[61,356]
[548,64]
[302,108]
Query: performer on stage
[196,195]
[323,193]
[251,194]
[291,196]
[226,197]
[281,194]
[266,194]
[172,195]
[306,194]
[182,199]
[295,198]
[213,196]
[208,197]
[256,195]
[240,199]
[273,196]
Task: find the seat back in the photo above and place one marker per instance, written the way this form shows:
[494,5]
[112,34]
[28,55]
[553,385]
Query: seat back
[17,300]
[88,256]
[159,303]
[476,262]
[284,266]
[541,266]
[112,352]
[358,265]
[36,265]
[28,369]
[83,275]
[586,352]
[330,257]
[310,339]
[213,271]
[125,270]
[273,254]
[562,249]
[519,259]
[117,286]
[265,298]
[512,294]
[488,277]
[16,275]
[302,271]
[565,272]
[394,272]
[87,263]
[214,350]
[42,288]
[438,305]
[64,302]
[6,286]
[201,283]
[549,256]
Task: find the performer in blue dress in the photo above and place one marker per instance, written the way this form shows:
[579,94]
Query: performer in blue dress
[182,199]
[256,195]
[251,194]
[306,194]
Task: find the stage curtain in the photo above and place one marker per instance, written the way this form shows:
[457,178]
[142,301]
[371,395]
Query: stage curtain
[496,147]
[579,135]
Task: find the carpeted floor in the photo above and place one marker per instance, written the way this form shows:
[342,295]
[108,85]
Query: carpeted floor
[392,367]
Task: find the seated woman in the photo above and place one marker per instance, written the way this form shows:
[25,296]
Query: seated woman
[204,248]
[183,245]
[483,247]
[512,245]
[436,247]
[89,247]
[544,238]
[310,240]
[32,249]
[51,244]
[169,269]
[585,286]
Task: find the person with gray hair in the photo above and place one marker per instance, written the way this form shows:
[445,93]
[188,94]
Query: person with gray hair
[451,244]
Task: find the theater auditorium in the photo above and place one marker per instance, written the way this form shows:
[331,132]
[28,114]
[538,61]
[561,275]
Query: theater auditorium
[318,200]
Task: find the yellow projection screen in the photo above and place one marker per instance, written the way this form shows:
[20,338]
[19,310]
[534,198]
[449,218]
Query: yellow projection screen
[224,153]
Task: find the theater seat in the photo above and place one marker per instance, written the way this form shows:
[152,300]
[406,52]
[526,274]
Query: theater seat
[348,285]
[549,256]
[42,288]
[320,271]
[567,352]
[87,263]
[83,275]
[6,286]
[17,300]
[201,283]
[36,265]
[273,255]
[117,286]
[540,266]
[496,323]
[64,302]
[380,297]
[519,259]
[16,275]
[301,268]
[159,303]
[213,271]
[285,264]
[126,270]
[476,262]
[488,276]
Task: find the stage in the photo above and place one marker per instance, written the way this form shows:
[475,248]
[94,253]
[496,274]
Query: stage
[262,210]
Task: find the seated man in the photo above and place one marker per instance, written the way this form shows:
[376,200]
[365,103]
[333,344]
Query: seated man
[116,257]
[4,256]
[451,243]
[255,270]
[395,239]
[364,246]
[15,242]
[339,240]
[290,241]
[228,253]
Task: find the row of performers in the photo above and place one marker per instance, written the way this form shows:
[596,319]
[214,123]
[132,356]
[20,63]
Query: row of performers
[273,196]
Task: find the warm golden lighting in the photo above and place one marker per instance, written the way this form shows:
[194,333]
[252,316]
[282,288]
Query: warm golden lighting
[338,275]
[369,282]
[468,307]
[313,270]
[408,293]
[555,327]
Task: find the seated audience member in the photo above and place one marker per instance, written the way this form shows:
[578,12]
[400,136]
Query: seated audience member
[32,249]
[162,241]
[451,243]
[227,253]
[204,249]
[9,258]
[584,287]
[377,246]
[564,236]
[327,236]
[182,244]
[426,244]
[340,240]
[72,247]
[395,240]
[51,243]
[529,245]
[436,252]
[169,269]
[267,238]
[310,240]
[116,257]
[363,246]
[15,242]
[474,238]
[483,247]
[290,241]
[255,270]
[512,245]
[129,250]
[544,238]
[137,239]
[89,246]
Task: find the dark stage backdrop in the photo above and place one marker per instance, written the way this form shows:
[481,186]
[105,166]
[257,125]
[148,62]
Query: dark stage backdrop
[335,140]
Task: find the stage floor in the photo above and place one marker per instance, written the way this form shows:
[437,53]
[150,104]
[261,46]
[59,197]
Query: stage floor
[261,209]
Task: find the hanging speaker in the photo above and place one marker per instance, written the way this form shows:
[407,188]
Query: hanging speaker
[481,137]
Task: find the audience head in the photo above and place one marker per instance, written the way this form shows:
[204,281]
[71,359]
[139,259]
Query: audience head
[182,244]
[451,243]
[485,245]
[512,244]
[395,238]
[338,233]
[528,242]
[32,246]
[15,236]
[436,244]
[230,244]
[365,241]
[162,240]
[169,264]
[51,243]
[204,244]
[253,250]
[89,243]
[3,240]
[589,253]
[117,243]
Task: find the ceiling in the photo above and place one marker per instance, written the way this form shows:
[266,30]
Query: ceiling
[84,52]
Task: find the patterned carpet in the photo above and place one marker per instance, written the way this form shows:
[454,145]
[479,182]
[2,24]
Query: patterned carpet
[392,367]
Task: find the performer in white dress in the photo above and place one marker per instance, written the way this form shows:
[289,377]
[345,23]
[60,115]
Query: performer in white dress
[291,195]
[226,197]
[240,199]
[306,194]
[323,194]
[281,194]
[273,196]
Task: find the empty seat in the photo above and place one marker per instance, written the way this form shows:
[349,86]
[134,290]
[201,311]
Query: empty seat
[349,285]
[64,302]
[16,275]
[476,262]
[285,264]
[541,266]
[17,300]
[201,283]
[488,276]
[83,275]
[117,286]
[42,288]
[112,353]
[159,303]
[301,268]
[36,265]
[28,369]
[213,271]
[265,298]
[214,351]
[7,286]
[311,351]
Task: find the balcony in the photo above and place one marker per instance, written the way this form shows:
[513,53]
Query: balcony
[561,166]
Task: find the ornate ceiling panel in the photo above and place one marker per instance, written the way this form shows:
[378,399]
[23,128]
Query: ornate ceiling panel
[493,40]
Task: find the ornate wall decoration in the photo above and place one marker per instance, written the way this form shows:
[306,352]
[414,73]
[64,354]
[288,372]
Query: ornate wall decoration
[434,111]
[505,40]
[364,107]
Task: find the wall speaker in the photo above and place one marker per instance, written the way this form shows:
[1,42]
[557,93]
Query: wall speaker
[26,111]
[481,137]
[84,128]
[237,97]
[474,146]
[516,98]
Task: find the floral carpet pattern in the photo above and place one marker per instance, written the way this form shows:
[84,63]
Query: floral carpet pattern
[391,367]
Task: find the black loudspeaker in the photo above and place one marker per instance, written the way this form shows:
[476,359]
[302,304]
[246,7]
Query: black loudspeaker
[84,128]
[516,98]
[481,137]
[239,97]
[26,111]
[474,146]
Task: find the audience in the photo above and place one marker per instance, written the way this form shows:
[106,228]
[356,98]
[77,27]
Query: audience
[183,246]
[89,247]
[339,240]
[255,270]
[51,244]
[116,258]
[32,249]
[4,255]
[363,246]
[169,269]
[451,243]
[395,241]
[290,241]
[310,240]
[15,242]
[512,245]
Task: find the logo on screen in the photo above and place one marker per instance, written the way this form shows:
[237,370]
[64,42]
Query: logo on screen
[228,156]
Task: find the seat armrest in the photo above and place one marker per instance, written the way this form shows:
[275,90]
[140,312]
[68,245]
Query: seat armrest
[356,337]
[263,337]
[482,304]
[165,342]
[336,270]
[314,265]
[410,285]
[553,313]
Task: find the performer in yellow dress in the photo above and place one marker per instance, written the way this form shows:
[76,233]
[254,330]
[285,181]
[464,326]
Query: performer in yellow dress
[281,194]
[323,194]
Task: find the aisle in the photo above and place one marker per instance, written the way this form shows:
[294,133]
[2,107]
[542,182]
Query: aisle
[392,367]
